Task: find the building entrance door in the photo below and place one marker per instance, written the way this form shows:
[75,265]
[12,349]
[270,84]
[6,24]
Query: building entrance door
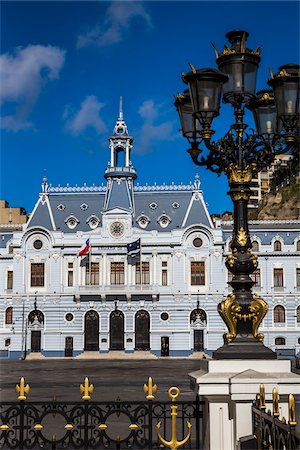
[116,330]
[35,341]
[91,331]
[198,341]
[69,346]
[164,351]
[142,330]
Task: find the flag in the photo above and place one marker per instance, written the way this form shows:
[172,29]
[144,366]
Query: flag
[134,248]
[85,249]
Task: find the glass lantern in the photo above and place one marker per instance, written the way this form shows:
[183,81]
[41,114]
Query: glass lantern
[205,88]
[190,126]
[286,87]
[241,65]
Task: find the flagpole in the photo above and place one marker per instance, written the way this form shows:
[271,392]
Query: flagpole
[90,261]
[141,264]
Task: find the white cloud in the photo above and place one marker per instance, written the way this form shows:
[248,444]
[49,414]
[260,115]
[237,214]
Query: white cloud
[150,132]
[86,117]
[22,77]
[117,20]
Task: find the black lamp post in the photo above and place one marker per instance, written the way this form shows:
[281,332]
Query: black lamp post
[241,155]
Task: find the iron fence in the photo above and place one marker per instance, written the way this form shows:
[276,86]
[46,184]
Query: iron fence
[271,431]
[99,425]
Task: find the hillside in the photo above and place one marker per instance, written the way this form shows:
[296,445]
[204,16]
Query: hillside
[282,205]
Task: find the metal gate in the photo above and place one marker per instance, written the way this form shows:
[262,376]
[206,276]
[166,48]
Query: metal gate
[116,330]
[88,424]
[142,330]
[91,331]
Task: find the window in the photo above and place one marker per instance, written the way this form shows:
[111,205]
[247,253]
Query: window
[69,317]
[37,274]
[10,278]
[277,246]
[92,273]
[117,273]
[164,220]
[298,277]
[145,273]
[70,274]
[164,316]
[255,246]
[298,246]
[256,277]
[164,273]
[298,314]
[278,277]
[197,273]
[279,341]
[9,316]
[37,244]
[197,242]
[7,342]
[279,314]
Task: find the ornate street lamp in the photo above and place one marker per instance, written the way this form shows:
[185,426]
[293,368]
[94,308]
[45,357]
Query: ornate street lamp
[241,155]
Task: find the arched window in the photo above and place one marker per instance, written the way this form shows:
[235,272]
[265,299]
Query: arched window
[8,315]
[255,246]
[298,246]
[277,246]
[298,314]
[36,316]
[198,316]
[279,314]
[280,341]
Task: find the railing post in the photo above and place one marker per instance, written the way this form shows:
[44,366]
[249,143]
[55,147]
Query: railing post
[22,389]
[150,406]
[150,389]
[197,418]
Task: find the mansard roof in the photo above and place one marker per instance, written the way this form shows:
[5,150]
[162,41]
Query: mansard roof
[183,205]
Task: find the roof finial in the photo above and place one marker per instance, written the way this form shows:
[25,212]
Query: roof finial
[45,184]
[121,109]
[197,182]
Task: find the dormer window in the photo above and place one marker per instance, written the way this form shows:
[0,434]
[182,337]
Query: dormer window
[84,206]
[164,220]
[175,205]
[61,207]
[72,222]
[153,205]
[143,221]
[93,222]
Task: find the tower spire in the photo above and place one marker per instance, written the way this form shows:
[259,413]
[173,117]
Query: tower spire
[121,108]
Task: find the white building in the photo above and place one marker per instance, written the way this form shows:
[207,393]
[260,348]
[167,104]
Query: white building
[54,303]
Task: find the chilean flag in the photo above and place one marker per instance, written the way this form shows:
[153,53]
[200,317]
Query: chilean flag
[85,249]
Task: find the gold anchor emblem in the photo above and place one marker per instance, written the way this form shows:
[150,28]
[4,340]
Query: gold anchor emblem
[151,389]
[86,389]
[173,444]
[22,389]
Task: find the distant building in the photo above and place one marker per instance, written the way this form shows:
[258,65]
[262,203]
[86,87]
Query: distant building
[61,304]
[262,183]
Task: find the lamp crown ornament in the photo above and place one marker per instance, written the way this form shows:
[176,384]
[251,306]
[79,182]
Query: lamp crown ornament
[240,154]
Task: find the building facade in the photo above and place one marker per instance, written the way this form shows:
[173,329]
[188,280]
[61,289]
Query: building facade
[165,300]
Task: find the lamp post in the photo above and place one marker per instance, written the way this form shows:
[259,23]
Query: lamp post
[240,154]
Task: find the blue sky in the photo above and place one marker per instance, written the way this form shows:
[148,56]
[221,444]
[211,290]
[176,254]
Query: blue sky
[64,66]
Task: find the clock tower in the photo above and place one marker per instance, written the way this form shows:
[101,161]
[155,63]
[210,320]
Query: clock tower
[120,174]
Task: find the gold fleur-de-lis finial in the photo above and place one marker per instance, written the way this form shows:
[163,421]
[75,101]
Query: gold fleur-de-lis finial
[275,398]
[86,389]
[174,443]
[22,389]
[262,399]
[292,413]
[150,389]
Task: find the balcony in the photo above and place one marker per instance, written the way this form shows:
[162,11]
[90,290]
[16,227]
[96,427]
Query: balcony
[118,289]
